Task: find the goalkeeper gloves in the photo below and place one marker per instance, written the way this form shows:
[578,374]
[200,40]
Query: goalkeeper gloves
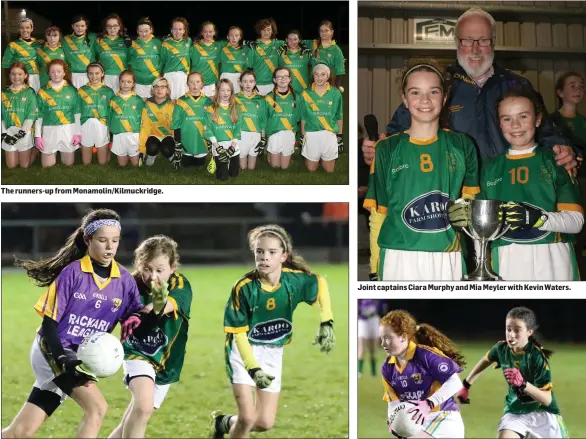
[175,159]
[305,51]
[128,326]
[261,378]
[127,40]
[372,276]
[160,293]
[420,411]
[11,140]
[261,146]
[340,143]
[459,212]
[74,367]
[223,156]
[325,336]
[281,49]
[250,43]
[523,216]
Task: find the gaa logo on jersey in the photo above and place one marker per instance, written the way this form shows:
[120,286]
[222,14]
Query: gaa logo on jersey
[67,97]
[527,235]
[271,330]
[427,213]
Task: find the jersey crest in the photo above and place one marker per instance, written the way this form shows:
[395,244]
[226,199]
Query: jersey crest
[427,213]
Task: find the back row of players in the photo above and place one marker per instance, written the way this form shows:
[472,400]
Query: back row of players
[59,105]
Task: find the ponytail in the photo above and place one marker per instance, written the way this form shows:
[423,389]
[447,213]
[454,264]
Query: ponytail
[547,352]
[427,335]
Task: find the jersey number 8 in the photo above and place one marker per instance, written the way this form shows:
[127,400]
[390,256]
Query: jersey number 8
[271,305]
[425,163]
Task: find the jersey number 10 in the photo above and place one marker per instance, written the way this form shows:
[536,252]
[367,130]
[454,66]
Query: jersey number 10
[519,175]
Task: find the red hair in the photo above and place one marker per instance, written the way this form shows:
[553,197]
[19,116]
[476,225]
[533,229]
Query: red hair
[19,65]
[65,66]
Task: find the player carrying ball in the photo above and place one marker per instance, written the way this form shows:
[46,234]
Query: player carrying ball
[258,322]
[531,408]
[413,176]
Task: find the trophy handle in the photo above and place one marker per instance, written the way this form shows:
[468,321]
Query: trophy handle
[505,230]
[465,230]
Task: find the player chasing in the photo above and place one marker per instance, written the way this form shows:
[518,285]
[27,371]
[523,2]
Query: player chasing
[368,322]
[410,228]
[258,322]
[154,352]
[420,357]
[87,292]
[531,408]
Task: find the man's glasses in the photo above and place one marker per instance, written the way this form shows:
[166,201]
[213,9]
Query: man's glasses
[469,42]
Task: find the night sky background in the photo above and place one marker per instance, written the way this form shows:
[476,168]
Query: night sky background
[304,16]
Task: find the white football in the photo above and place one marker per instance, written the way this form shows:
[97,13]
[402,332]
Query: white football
[101,353]
[400,421]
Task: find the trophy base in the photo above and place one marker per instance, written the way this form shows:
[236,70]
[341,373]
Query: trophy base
[481,278]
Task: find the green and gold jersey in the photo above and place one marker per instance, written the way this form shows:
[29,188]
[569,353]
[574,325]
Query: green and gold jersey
[204,59]
[113,54]
[233,59]
[411,181]
[321,112]
[532,178]
[44,56]
[575,124]
[223,129]
[252,111]
[535,370]
[125,113]
[264,60]
[24,52]
[299,65]
[190,115]
[79,51]
[95,102]
[18,106]
[164,345]
[266,313]
[283,112]
[175,55]
[331,55]
[144,57]
[58,106]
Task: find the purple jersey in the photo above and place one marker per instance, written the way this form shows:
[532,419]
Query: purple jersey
[424,373]
[368,308]
[82,304]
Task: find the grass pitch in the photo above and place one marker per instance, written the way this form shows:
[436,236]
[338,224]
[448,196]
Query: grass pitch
[487,395]
[314,395]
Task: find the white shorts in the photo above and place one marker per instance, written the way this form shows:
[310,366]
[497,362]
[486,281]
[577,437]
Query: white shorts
[58,139]
[233,78]
[112,81]
[445,424]
[270,360]
[226,144]
[537,262]
[320,145]
[94,133]
[44,375]
[248,142]
[282,142]
[79,79]
[209,90]
[34,81]
[125,144]
[133,368]
[144,91]
[368,328]
[177,83]
[24,144]
[416,266]
[540,424]
[264,90]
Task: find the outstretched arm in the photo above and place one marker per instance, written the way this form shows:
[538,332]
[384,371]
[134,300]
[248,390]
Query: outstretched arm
[480,367]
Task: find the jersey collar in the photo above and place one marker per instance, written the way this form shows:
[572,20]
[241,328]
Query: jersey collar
[422,142]
[242,95]
[46,46]
[224,106]
[126,97]
[25,86]
[86,266]
[50,85]
[96,88]
[196,98]
[333,43]
[408,356]
[328,87]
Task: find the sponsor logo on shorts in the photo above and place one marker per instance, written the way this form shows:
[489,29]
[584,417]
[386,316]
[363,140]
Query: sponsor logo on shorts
[272,330]
[443,367]
[427,213]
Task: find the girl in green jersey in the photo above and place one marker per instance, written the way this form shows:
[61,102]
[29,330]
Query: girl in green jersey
[79,49]
[531,409]
[264,56]
[205,56]
[233,57]
[144,57]
[51,50]
[154,343]
[253,115]
[24,50]
[326,50]
[297,60]
[111,50]
[19,111]
[175,57]
[258,322]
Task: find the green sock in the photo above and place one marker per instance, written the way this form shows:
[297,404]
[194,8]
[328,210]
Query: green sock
[373,366]
[360,365]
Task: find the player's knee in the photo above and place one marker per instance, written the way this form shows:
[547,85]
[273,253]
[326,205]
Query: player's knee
[143,411]
[18,431]
[152,145]
[167,147]
[246,420]
[264,424]
[97,410]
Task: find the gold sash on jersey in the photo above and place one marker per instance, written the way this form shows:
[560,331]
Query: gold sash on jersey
[115,57]
[22,52]
[278,109]
[229,55]
[88,100]
[151,112]
[43,55]
[71,44]
[51,102]
[13,116]
[148,62]
[269,63]
[247,120]
[314,107]
[203,52]
[174,51]
[228,132]
[118,110]
[189,111]
[295,72]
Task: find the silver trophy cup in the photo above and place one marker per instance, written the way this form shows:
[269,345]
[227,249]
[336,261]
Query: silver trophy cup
[485,225]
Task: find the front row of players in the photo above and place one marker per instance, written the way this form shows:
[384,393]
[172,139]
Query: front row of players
[410,230]
[420,357]
[235,128]
[89,291]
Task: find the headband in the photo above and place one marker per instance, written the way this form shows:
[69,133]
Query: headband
[96,64]
[92,227]
[22,20]
[322,66]
[417,66]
